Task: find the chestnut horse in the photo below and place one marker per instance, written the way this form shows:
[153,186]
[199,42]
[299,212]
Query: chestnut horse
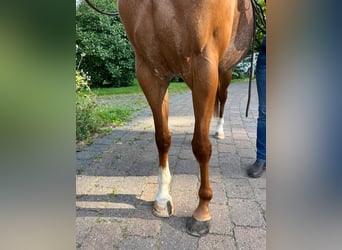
[200,41]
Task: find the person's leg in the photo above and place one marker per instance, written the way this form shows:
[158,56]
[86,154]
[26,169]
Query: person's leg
[258,167]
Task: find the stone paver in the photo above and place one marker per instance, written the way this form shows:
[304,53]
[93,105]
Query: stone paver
[117,181]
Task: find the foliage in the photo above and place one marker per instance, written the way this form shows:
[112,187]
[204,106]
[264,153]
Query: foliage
[242,69]
[93,119]
[259,33]
[108,57]
[86,118]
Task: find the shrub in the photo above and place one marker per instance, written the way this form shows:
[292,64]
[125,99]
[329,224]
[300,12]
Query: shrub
[109,59]
[86,109]
[94,120]
[242,69]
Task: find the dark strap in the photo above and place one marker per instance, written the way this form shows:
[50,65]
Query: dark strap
[250,76]
[258,16]
[100,11]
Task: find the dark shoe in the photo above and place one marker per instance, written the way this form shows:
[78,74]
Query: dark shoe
[256,170]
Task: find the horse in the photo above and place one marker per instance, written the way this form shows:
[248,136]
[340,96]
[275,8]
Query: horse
[200,41]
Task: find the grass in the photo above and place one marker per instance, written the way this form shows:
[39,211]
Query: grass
[115,116]
[175,87]
[117,91]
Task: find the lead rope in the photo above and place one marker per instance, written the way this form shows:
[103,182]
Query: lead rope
[257,13]
[101,11]
[250,76]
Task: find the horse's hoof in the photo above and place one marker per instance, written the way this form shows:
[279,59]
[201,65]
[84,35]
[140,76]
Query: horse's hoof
[219,135]
[197,228]
[163,210]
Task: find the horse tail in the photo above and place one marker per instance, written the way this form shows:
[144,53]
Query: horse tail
[221,93]
[217,102]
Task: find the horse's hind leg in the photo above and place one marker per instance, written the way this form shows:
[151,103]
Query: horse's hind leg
[225,79]
[156,94]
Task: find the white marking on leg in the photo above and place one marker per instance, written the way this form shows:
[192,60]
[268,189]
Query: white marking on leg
[164,180]
[219,134]
[219,128]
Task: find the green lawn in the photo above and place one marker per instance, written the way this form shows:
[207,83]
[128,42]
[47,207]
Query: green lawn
[175,87]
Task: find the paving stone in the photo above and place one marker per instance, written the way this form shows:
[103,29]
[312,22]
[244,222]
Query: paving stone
[220,220]
[184,182]
[149,192]
[105,209]
[243,144]
[214,160]
[83,228]
[215,174]
[231,171]
[260,194]
[250,238]
[185,202]
[84,183]
[144,211]
[186,167]
[186,154]
[252,135]
[86,155]
[110,183]
[174,236]
[226,148]
[137,242]
[216,242]
[228,160]
[219,193]
[257,182]
[240,136]
[103,235]
[246,212]
[132,185]
[144,228]
[238,188]
[247,153]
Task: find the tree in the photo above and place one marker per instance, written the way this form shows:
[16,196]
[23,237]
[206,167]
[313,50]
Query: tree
[108,58]
[260,24]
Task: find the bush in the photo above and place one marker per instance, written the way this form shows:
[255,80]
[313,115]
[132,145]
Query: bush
[94,120]
[242,69]
[86,109]
[109,59]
